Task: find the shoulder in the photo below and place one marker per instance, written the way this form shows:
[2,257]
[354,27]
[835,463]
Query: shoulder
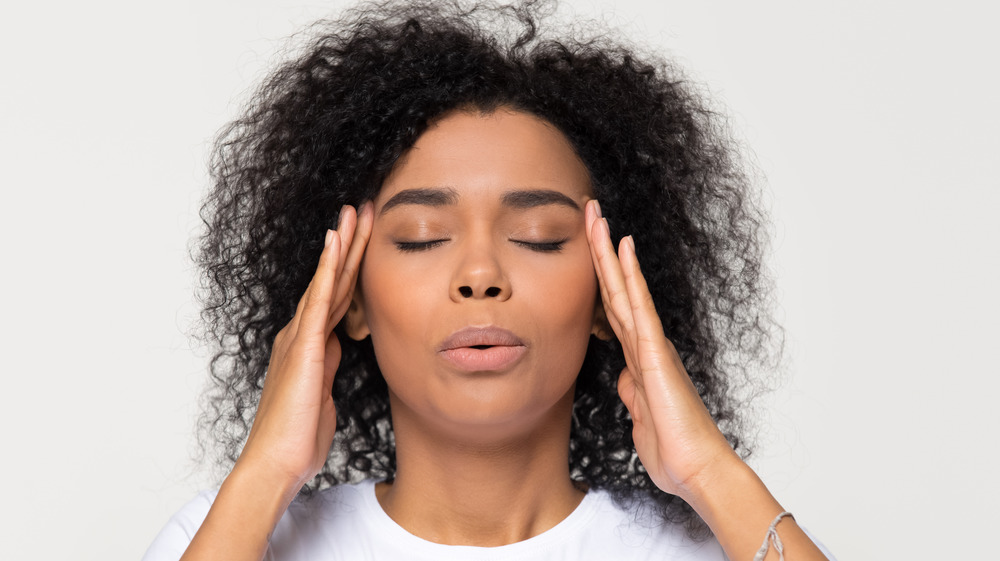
[635,531]
[309,525]
[175,536]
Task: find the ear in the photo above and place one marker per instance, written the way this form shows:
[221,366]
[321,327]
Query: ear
[355,320]
[601,328]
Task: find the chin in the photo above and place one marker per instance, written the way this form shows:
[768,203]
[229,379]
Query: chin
[486,415]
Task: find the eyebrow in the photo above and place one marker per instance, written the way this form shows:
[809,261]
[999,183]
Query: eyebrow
[530,198]
[518,199]
[427,197]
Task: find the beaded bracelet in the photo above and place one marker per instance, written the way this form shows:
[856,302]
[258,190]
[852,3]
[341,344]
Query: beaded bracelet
[772,537]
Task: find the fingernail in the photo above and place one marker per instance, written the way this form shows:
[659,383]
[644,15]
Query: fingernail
[329,238]
[607,225]
[631,243]
[597,208]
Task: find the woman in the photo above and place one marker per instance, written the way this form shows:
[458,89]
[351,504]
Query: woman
[473,370]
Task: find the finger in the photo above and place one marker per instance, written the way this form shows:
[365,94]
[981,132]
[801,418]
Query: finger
[591,216]
[595,239]
[331,360]
[605,297]
[660,354]
[361,235]
[614,291]
[293,324]
[320,293]
[648,326]
[347,280]
[628,392]
[346,223]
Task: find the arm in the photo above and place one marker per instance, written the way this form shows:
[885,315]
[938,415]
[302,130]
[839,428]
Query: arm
[296,419]
[676,438]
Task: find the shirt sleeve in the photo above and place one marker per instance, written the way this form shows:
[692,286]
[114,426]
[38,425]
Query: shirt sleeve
[174,538]
[820,545]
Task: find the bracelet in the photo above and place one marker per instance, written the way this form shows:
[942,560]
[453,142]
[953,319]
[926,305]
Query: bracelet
[772,537]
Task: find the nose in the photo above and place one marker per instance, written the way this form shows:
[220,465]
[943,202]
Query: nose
[479,275]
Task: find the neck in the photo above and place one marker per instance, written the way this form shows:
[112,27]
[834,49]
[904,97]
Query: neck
[486,492]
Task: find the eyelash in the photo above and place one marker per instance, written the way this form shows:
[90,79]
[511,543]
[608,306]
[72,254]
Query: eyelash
[419,246]
[543,247]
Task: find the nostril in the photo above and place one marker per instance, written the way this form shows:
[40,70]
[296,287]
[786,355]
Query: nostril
[492,292]
[465,291]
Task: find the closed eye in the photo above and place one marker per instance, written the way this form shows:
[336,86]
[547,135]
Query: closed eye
[419,246]
[544,247]
[552,246]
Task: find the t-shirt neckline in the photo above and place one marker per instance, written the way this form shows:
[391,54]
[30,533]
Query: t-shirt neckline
[553,537]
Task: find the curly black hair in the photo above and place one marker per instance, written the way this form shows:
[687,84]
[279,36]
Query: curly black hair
[327,127]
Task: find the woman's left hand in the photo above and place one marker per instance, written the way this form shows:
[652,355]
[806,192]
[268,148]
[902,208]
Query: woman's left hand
[675,436]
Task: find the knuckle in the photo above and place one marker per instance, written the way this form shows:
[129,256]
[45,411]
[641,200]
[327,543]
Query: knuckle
[619,300]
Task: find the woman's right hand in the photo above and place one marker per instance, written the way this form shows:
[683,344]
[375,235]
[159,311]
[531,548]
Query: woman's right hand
[296,418]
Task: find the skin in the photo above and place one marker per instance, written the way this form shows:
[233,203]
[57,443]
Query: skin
[501,204]
[503,434]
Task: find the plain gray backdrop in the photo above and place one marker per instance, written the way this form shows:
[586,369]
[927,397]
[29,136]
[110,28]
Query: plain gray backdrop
[875,123]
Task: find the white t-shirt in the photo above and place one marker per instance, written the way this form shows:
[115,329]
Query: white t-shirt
[346,522]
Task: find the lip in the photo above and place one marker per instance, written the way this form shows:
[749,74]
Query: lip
[501,349]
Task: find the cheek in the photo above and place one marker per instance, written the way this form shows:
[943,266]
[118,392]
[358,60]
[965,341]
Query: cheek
[391,304]
[564,301]
[402,298]
[570,286]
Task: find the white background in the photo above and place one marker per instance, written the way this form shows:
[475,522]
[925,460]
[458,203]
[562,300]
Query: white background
[876,124]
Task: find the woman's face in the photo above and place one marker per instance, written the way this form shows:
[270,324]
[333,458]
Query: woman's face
[477,284]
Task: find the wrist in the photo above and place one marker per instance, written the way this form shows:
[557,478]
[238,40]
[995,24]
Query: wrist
[243,515]
[734,502]
[714,484]
[264,479]
[262,488]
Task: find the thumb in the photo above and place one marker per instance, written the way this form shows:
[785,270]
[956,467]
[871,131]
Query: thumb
[627,391]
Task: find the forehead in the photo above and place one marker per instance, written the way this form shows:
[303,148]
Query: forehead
[479,155]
